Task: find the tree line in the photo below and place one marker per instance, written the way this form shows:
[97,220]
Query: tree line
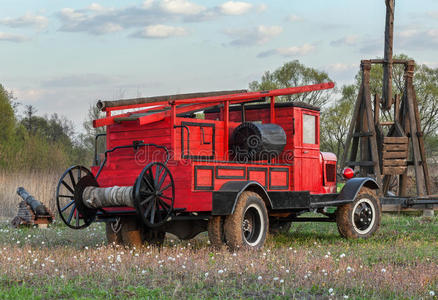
[32,142]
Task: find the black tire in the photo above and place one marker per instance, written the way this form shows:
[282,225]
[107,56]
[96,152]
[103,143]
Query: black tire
[361,218]
[216,233]
[277,227]
[248,225]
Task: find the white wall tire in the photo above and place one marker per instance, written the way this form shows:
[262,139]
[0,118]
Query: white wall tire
[361,218]
[248,225]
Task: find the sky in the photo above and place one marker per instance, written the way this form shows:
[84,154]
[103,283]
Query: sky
[62,56]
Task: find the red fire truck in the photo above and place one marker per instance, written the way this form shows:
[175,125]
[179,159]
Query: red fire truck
[236,164]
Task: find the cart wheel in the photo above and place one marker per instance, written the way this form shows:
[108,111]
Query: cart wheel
[216,233]
[361,218]
[277,227]
[69,202]
[154,194]
[248,225]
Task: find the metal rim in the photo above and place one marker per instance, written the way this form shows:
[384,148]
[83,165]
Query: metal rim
[363,216]
[154,194]
[70,210]
[253,225]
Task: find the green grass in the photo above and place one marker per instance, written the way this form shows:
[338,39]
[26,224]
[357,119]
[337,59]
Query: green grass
[399,262]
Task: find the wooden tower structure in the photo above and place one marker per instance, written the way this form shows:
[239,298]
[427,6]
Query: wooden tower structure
[384,149]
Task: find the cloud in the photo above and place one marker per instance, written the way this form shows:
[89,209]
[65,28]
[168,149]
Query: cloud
[97,19]
[16,38]
[293,18]
[78,80]
[289,51]
[235,8]
[350,40]
[160,32]
[183,7]
[28,20]
[252,36]
[341,67]
[417,39]
[433,14]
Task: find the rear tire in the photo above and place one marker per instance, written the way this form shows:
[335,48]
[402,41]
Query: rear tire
[361,218]
[248,225]
[216,233]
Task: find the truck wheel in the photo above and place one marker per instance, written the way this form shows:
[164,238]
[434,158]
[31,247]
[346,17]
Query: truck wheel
[216,233]
[361,218]
[277,227]
[248,225]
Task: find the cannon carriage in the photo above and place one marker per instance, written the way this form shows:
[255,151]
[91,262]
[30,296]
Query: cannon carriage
[237,164]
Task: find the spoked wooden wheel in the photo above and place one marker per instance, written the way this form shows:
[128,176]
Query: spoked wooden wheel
[154,194]
[71,209]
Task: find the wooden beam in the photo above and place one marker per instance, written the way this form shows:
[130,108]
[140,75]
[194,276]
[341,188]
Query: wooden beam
[387,65]
[396,140]
[397,154]
[395,147]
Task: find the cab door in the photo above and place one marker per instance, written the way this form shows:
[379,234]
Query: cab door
[308,153]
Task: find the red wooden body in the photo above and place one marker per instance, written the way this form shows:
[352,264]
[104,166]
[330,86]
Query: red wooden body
[198,148]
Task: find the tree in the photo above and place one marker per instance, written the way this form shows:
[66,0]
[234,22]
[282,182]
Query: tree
[294,74]
[335,121]
[7,119]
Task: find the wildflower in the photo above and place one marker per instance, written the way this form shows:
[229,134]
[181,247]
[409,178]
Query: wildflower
[345,297]
[259,278]
[62,276]
[287,271]
[350,269]
[281,281]
[432,293]
[143,272]
[276,278]
[383,270]
[206,274]
[220,271]
[330,290]
[342,255]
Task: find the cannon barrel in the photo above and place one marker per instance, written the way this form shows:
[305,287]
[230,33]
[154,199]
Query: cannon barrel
[37,206]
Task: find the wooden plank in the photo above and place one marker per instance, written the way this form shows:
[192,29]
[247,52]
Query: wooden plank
[395,154]
[396,140]
[394,162]
[395,147]
[394,170]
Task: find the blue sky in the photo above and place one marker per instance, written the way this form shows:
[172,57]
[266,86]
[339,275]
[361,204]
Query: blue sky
[61,56]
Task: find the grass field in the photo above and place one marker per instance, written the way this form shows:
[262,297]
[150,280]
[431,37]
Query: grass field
[312,261]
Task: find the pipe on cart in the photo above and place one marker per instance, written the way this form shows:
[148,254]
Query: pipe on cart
[96,197]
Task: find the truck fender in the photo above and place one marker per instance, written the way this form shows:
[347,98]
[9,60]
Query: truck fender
[225,199]
[353,186]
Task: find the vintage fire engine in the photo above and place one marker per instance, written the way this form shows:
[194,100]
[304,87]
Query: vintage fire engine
[237,164]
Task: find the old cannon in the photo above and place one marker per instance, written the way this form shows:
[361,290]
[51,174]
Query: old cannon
[31,211]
